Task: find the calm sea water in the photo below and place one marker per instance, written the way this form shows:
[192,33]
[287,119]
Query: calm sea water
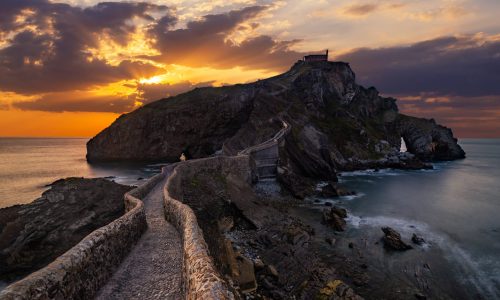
[455,208]
[28,165]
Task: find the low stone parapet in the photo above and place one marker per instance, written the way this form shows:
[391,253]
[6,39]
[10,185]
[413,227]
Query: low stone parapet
[202,280]
[81,271]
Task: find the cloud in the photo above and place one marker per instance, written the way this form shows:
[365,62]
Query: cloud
[463,66]
[453,79]
[450,11]
[205,43]
[467,116]
[48,48]
[361,9]
[83,101]
[153,92]
[67,102]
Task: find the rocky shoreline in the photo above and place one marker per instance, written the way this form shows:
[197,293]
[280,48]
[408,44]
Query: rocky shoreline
[33,235]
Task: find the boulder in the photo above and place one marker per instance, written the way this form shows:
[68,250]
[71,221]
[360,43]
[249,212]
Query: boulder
[334,217]
[416,239]
[332,189]
[298,186]
[392,240]
[246,274]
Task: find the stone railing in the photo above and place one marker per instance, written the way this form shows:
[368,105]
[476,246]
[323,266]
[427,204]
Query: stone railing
[81,271]
[201,278]
[269,143]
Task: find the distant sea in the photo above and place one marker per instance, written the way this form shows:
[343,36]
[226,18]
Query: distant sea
[28,165]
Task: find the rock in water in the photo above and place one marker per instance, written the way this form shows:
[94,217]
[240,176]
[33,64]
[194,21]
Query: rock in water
[335,124]
[334,217]
[392,240]
[34,234]
[417,239]
[428,140]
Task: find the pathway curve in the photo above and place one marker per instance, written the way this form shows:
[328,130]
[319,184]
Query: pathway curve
[153,269]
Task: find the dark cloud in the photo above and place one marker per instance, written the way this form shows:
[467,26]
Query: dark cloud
[461,66]
[452,79]
[153,92]
[467,116]
[54,56]
[61,102]
[146,93]
[361,9]
[204,43]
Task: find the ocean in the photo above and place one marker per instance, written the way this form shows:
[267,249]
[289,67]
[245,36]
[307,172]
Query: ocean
[455,207]
[28,165]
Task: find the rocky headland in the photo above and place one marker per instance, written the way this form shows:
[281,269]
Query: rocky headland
[336,125]
[34,234]
[262,248]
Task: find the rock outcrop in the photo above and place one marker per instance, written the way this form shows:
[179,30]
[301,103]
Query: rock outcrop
[335,218]
[336,124]
[428,140]
[392,240]
[32,235]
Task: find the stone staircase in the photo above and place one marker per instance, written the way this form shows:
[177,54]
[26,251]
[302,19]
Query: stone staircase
[266,154]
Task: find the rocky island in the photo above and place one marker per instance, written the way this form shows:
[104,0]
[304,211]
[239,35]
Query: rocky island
[254,152]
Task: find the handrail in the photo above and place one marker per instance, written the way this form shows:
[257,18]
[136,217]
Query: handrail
[268,143]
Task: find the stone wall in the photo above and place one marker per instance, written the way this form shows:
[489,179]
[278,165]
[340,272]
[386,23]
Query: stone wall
[202,280]
[81,271]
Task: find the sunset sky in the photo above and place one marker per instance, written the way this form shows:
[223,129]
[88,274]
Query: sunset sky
[69,68]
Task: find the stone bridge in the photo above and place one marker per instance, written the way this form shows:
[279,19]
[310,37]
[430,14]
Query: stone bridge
[156,250]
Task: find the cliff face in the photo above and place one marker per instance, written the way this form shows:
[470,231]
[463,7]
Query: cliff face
[336,124]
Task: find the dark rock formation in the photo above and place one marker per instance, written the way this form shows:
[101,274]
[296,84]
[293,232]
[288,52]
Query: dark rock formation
[334,217]
[333,190]
[416,239]
[298,186]
[336,125]
[33,235]
[428,140]
[392,240]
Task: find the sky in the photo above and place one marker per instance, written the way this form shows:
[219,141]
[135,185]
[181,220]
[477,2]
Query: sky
[69,68]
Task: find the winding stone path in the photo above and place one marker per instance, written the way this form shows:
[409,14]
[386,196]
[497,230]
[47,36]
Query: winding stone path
[153,269]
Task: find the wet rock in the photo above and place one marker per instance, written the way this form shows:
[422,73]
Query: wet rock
[420,296]
[334,217]
[298,186]
[416,239]
[392,240]
[334,190]
[34,234]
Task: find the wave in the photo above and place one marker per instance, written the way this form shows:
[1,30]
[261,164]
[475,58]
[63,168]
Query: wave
[373,172]
[481,272]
